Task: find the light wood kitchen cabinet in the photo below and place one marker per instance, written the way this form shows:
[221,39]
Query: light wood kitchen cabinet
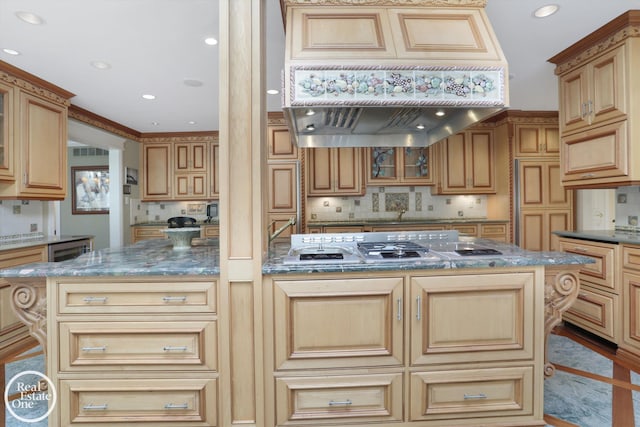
[144,232]
[7,120]
[630,343]
[597,104]
[14,335]
[544,205]
[536,140]
[597,308]
[33,153]
[279,139]
[111,363]
[179,169]
[337,349]
[466,163]
[594,93]
[282,182]
[334,172]
[399,166]
[157,171]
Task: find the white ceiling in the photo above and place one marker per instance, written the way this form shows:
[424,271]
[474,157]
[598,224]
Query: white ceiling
[154,45]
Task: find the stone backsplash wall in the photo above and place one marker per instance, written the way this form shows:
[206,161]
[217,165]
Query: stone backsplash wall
[628,207]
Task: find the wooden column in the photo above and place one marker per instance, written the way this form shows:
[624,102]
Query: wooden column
[242,166]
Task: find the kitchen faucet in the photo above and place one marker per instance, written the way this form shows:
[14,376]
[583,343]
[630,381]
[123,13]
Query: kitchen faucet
[270,237]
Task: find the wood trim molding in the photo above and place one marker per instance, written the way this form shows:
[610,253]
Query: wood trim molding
[33,84]
[395,3]
[103,123]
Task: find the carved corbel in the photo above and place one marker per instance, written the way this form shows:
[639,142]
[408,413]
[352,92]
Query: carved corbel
[29,302]
[561,290]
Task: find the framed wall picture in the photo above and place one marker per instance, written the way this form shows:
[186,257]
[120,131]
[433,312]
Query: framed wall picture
[131,176]
[90,190]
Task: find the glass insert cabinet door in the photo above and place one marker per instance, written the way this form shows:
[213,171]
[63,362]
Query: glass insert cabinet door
[399,165]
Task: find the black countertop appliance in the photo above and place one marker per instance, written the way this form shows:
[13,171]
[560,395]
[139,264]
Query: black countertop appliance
[182,221]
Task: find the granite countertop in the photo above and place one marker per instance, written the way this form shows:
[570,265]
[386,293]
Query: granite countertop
[157,257]
[26,242]
[145,258]
[610,236]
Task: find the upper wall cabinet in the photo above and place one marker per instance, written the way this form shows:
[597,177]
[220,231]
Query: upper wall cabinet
[33,137]
[180,168]
[399,166]
[598,103]
[334,172]
[466,163]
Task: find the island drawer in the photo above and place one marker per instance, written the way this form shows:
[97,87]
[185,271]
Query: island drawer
[472,393]
[605,255]
[171,402]
[188,296]
[595,311]
[339,399]
[138,345]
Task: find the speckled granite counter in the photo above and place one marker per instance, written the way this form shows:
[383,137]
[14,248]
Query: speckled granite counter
[512,256]
[610,236]
[145,258]
[404,221]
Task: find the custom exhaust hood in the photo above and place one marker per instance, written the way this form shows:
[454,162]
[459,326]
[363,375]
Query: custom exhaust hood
[363,73]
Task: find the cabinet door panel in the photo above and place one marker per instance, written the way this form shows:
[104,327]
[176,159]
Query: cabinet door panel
[595,311]
[280,144]
[282,187]
[338,323]
[7,102]
[482,160]
[573,98]
[320,169]
[455,167]
[496,324]
[157,175]
[631,311]
[349,170]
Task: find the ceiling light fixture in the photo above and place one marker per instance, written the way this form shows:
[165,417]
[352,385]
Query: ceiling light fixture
[192,122]
[545,11]
[439,113]
[100,65]
[30,18]
[311,127]
[11,51]
[148,96]
[420,126]
[273,91]
[310,112]
[155,123]
[211,41]
[192,82]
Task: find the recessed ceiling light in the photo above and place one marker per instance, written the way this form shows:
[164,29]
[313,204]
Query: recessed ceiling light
[192,82]
[100,65]
[148,96]
[155,123]
[309,112]
[311,127]
[11,51]
[439,113]
[30,18]
[420,126]
[192,122]
[273,91]
[211,41]
[544,11]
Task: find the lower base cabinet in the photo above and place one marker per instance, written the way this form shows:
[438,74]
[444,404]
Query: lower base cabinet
[133,352]
[459,348]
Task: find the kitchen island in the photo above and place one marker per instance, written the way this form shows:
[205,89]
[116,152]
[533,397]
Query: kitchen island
[413,343]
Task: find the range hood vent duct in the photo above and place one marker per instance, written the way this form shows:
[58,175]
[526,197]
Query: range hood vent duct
[409,73]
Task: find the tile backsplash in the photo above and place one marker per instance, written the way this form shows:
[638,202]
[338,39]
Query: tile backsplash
[386,203]
[162,211]
[21,217]
[628,207]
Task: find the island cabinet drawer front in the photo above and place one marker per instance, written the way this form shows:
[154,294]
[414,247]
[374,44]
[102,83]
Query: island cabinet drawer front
[339,400]
[594,310]
[602,272]
[138,345]
[631,257]
[147,232]
[472,318]
[338,323]
[472,393]
[171,402]
[137,297]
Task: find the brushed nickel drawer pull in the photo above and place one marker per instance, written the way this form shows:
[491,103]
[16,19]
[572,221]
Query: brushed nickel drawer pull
[340,402]
[174,299]
[171,348]
[176,406]
[103,348]
[399,317]
[580,249]
[588,175]
[419,303]
[92,407]
[475,396]
[94,299]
